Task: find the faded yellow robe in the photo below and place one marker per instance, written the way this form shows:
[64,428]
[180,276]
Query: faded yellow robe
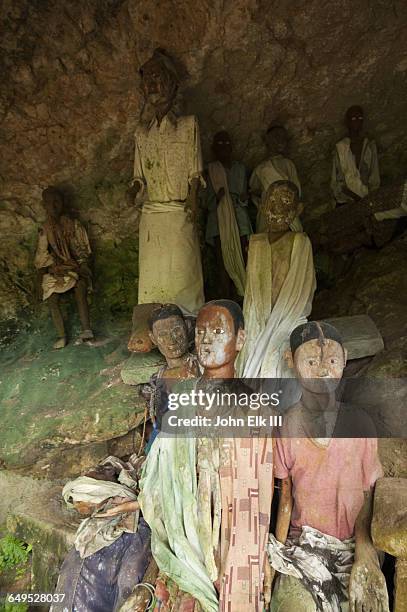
[167,158]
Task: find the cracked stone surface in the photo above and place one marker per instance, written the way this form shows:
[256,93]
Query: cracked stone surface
[69,105]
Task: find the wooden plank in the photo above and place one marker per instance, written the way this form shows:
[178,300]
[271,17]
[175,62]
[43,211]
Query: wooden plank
[360,335]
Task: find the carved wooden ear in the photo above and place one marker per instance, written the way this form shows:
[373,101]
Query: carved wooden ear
[289,359]
[345,354]
[151,336]
[240,340]
[300,209]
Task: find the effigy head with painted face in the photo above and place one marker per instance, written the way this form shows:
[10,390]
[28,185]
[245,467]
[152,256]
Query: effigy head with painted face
[318,356]
[280,206]
[159,80]
[277,140]
[168,331]
[219,336]
[53,203]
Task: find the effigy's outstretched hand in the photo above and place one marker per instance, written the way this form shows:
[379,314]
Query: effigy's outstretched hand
[367,587]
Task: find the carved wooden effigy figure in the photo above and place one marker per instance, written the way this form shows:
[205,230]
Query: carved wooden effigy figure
[167,174]
[62,258]
[328,463]
[280,285]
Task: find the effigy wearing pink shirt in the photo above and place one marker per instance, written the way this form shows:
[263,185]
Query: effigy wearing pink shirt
[328,481]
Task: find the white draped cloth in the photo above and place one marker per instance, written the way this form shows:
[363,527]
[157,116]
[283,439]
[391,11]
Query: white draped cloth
[277,168]
[95,533]
[279,292]
[228,229]
[167,158]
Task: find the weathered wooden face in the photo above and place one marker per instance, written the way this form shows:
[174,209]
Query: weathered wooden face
[280,206]
[52,202]
[171,337]
[277,141]
[158,84]
[216,340]
[319,364]
[222,146]
[354,119]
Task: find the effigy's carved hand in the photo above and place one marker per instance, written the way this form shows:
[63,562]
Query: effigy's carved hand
[367,587]
[220,194]
[128,506]
[131,196]
[63,268]
[162,594]
[191,209]
[191,203]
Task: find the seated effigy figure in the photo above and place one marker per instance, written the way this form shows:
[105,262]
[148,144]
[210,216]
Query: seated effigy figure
[228,224]
[169,333]
[112,544]
[355,168]
[369,221]
[277,167]
[194,488]
[279,288]
[62,257]
[366,213]
[327,459]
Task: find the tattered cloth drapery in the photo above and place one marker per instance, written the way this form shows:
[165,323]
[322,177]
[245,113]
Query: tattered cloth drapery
[169,502]
[94,533]
[65,242]
[228,229]
[321,562]
[170,261]
[270,318]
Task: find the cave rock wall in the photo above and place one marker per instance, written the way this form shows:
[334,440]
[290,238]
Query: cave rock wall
[70,102]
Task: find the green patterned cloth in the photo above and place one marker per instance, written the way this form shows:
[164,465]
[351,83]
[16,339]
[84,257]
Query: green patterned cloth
[169,502]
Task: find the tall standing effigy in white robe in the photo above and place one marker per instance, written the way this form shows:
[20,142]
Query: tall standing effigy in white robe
[167,158]
[280,288]
[360,179]
[277,168]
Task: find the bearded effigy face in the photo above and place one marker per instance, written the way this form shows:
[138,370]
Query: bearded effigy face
[159,80]
[280,205]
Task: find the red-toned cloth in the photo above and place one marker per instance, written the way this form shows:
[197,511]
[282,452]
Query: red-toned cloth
[328,480]
[246,480]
